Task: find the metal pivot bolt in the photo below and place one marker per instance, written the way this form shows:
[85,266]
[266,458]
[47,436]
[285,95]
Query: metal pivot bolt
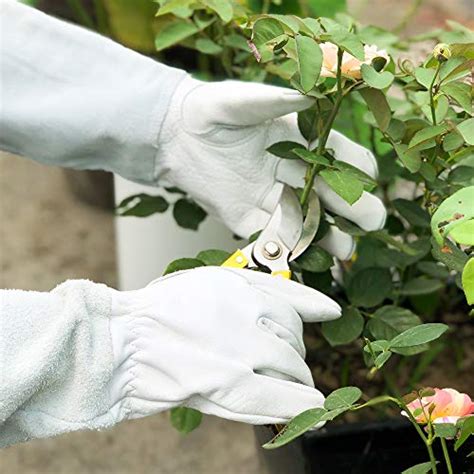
[271,250]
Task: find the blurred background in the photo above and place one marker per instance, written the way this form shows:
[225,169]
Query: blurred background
[57,225]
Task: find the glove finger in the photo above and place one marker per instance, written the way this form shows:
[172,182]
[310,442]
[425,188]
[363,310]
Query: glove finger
[283,321]
[338,243]
[368,212]
[262,400]
[240,103]
[275,357]
[351,152]
[310,304]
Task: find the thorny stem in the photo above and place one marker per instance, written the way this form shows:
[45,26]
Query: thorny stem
[314,168]
[446,456]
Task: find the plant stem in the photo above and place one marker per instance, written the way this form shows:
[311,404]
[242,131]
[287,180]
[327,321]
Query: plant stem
[432,106]
[314,168]
[446,456]
[428,441]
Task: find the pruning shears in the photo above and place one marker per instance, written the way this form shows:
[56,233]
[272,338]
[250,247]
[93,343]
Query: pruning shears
[286,236]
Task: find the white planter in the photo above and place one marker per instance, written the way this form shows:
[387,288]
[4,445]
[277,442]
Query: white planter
[145,246]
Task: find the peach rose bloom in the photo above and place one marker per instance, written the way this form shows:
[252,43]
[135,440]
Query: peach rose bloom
[350,65]
[447,405]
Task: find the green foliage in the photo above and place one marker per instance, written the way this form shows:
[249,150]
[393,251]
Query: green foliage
[142,205]
[403,280]
[185,419]
[345,329]
[468,281]
[183,264]
[188,214]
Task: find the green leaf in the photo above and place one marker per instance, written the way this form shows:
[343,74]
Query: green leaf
[307,120]
[369,287]
[344,184]
[466,129]
[396,130]
[452,141]
[173,33]
[348,227]
[422,468]
[449,254]
[411,159]
[142,205]
[368,182]
[463,233]
[376,346]
[425,138]
[461,93]
[421,286]
[418,335]
[188,214]
[377,80]
[311,157]
[424,76]
[213,256]
[315,259]
[331,414]
[468,281]
[222,7]
[310,58]
[265,30]
[433,269]
[345,329]
[296,427]
[183,264]
[344,397]
[412,212]
[285,149]
[389,321]
[185,419]
[451,212]
[467,429]
[445,430]
[207,46]
[378,105]
[381,359]
[454,69]
[349,43]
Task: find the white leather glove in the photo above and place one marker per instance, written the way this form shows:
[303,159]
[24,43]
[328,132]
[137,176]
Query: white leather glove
[213,145]
[226,342]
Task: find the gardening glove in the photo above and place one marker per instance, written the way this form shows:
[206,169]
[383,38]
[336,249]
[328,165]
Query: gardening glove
[213,146]
[226,342]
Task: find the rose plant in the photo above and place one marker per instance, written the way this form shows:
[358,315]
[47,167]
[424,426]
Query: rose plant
[407,284]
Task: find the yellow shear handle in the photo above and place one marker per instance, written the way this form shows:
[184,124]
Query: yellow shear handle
[239,260]
[236,260]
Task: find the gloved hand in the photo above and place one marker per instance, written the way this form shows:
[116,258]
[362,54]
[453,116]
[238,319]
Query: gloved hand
[213,146]
[226,342]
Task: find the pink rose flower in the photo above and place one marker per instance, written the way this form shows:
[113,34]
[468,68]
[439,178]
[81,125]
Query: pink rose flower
[350,65]
[446,406]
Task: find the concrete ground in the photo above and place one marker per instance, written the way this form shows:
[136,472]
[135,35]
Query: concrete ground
[47,236]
